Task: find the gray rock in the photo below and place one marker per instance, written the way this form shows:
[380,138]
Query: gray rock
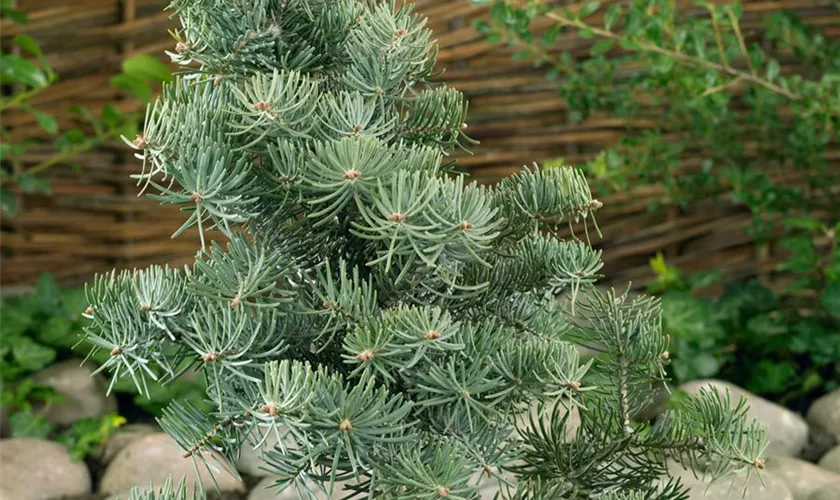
[731,487]
[35,469]
[831,460]
[151,459]
[830,492]
[802,478]
[572,425]
[824,415]
[84,395]
[787,432]
[251,459]
[121,439]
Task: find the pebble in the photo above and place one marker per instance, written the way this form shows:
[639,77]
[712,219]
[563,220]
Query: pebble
[84,395]
[36,469]
[787,432]
[151,459]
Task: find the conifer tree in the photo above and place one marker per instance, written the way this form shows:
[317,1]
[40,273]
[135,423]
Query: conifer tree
[393,325]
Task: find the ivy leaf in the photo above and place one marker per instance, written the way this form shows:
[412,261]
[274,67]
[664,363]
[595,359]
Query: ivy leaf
[611,15]
[29,183]
[831,298]
[27,423]
[48,293]
[30,355]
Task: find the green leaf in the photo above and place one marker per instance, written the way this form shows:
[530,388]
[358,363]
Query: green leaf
[132,85]
[86,435]
[772,69]
[26,423]
[57,331]
[8,202]
[13,322]
[831,298]
[17,70]
[765,325]
[47,122]
[28,44]
[48,293]
[29,183]
[600,48]
[586,33]
[611,15]
[146,67]
[589,9]
[30,355]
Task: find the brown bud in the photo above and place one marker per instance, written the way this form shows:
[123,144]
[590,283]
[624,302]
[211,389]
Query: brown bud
[116,351]
[210,357]
[396,217]
[181,47]
[574,385]
[89,310]
[269,408]
[262,106]
[379,91]
[218,80]
[400,32]
[465,225]
[328,304]
[365,355]
[345,425]
[195,197]
[352,174]
[356,130]
[235,302]
[442,491]
[665,356]
[465,394]
[145,308]
[759,463]
[595,204]
[463,126]
[431,335]
[139,142]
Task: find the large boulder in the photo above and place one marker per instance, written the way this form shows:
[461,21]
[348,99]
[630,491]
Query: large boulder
[802,478]
[731,487]
[824,416]
[829,492]
[35,469]
[787,432]
[121,439]
[84,394]
[151,459]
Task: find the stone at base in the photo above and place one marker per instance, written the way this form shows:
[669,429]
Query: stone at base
[35,469]
[151,459]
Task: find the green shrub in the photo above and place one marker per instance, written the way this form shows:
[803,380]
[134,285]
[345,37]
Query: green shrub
[390,324]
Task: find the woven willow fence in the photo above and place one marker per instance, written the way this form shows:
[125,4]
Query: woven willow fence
[94,222]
